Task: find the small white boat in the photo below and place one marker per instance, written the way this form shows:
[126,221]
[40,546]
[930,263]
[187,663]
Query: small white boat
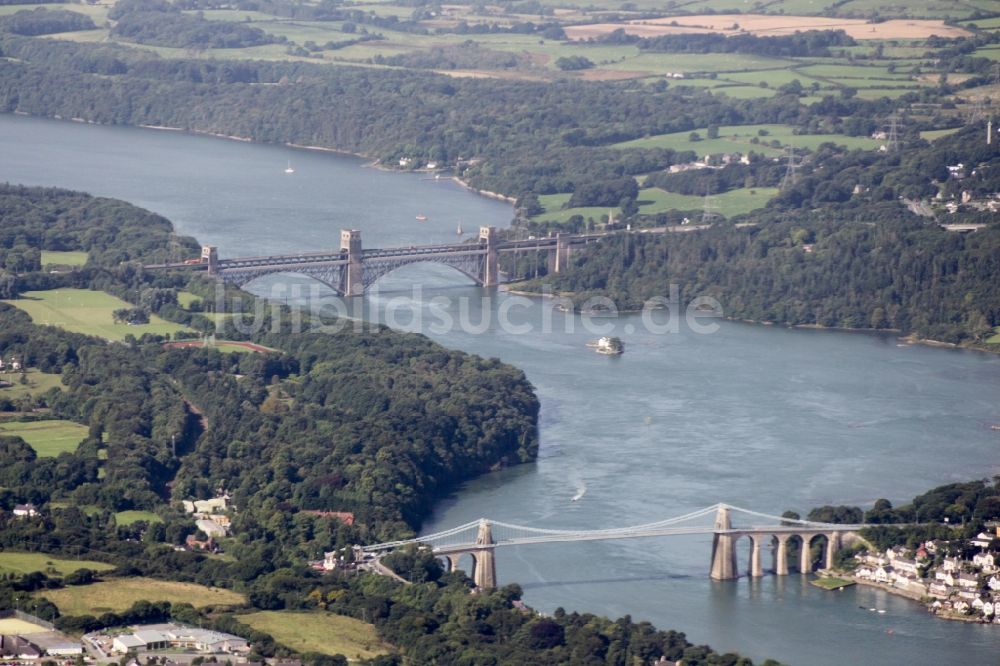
[459,230]
[289,168]
[421,218]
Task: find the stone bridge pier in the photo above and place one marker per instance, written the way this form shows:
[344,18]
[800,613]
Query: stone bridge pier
[724,564]
[484,566]
[354,284]
[558,257]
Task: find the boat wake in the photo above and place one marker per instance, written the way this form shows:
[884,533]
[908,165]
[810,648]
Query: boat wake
[581,490]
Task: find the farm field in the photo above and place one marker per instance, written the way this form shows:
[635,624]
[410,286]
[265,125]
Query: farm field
[53,258]
[324,633]
[23,563]
[763,24]
[119,594]
[933,135]
[734,202]
[736,75]
[739,138]
[887,8]
[87,312]
[222,346]
[653,200]
[47,438]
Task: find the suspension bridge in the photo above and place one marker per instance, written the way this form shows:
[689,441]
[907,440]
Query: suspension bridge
[481,538]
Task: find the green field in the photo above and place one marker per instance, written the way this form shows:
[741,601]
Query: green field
[87,312]
[324,633]
[832,583]
[22,563]
[995,338]
[47,438]
[119,595]
[186,298]
[38,382]
[129,517]
[654,200]
[739,138]
[53,258]
[934,135]
[734,202]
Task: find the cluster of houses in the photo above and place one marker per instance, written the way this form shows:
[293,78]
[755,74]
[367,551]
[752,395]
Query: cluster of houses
[950,585]
[407,162]
[211,519]
[710,162]
[11,365]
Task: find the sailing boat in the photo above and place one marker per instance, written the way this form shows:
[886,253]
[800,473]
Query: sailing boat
[459,230]
[289,168]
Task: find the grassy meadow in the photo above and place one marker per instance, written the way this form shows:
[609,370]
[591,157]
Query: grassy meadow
[653,200]
[53,258]
[129,517]
[38,382]
[770,140]
[324,633]
[87,312]
[119,594]
[47,438]
[24,563]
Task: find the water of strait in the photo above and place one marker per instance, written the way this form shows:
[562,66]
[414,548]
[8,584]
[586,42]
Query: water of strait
[761,417]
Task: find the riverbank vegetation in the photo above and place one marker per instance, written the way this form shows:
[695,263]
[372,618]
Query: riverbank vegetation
[832,251]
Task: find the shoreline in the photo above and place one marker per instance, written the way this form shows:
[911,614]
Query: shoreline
[904,340]
[919,598]
[373,163]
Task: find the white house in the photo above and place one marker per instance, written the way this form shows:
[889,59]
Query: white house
[993,583]
[881,575]
[982,540]
[985,560]
[940,590]
[951,564]
[28,510]
[945,577]
[967,580]
[905,565]
[988,608]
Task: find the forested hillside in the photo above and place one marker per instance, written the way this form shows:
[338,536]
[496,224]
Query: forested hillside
[512,137]
[838,248]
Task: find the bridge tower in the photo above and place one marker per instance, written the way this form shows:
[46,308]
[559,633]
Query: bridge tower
[210,257]
[723,547]
[491,268]
[350,240]
[558,256]
[485,575]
